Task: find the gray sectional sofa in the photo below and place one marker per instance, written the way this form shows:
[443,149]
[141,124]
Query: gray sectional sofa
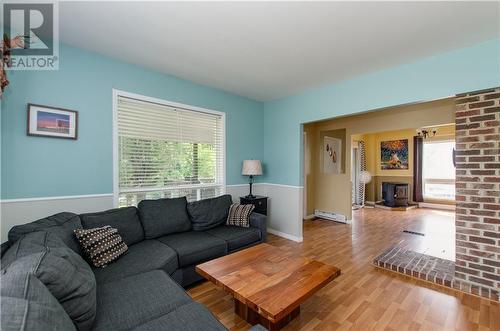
[47,285]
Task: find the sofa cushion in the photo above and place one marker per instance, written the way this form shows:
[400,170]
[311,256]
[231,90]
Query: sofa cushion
[236,236]
[125,220]
[189,317]
[164,216]
[30,243]
[145,256]
[193,247]
[61,224]
[26,304]
[209,213]
[21,314]
[65,274]
[135,300]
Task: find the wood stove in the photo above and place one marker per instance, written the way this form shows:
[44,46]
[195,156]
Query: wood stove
[395,194]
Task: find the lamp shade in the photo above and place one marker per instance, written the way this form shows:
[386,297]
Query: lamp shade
[251,168]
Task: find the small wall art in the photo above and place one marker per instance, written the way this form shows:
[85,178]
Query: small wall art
[332,155]
[44,121]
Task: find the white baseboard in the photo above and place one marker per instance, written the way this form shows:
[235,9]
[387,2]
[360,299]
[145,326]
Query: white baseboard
[436,206]
[309,217]
[285,235]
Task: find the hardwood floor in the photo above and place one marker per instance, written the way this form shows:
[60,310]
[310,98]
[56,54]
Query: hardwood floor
[364,297]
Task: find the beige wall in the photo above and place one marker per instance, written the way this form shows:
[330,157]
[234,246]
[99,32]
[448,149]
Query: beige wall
[372,143]
[332,192]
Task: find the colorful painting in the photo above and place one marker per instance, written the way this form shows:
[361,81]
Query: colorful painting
[52,122]
[394,154]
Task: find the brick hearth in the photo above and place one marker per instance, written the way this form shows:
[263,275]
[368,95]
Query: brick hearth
[422,266]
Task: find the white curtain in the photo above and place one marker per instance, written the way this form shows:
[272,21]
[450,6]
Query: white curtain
[360,187]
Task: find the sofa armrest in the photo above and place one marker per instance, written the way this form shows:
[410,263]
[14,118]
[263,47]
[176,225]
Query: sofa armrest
[259,221]
[4,247]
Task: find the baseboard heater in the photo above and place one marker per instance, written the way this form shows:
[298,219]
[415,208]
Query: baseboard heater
[336,217]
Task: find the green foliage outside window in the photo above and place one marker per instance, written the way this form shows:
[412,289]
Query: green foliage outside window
[157,163]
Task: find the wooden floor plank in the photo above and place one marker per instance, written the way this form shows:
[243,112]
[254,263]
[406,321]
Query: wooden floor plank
[364,297]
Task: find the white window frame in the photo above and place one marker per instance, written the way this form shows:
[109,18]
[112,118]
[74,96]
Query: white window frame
[428,198]
[119,93]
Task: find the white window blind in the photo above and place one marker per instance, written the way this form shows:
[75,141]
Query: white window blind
[167,152]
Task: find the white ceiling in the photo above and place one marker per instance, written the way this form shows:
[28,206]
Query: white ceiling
[267,50]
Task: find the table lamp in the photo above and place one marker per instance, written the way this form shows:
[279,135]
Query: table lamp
[251,168]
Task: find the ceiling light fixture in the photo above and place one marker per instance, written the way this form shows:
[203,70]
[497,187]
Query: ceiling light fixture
[426,133]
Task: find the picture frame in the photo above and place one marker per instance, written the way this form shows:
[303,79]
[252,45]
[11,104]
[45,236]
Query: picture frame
[394,155]
[332,155]
[52,122]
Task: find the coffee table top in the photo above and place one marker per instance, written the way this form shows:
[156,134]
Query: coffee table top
[267,279]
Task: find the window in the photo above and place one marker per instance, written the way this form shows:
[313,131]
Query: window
[166,151]
[438,170]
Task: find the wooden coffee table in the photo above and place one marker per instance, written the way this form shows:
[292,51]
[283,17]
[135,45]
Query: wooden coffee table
[267,283]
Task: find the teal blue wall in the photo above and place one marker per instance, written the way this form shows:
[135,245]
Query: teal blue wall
[436,77]
[40,167]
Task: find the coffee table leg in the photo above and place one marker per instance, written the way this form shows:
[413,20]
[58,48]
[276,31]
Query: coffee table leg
[253,317]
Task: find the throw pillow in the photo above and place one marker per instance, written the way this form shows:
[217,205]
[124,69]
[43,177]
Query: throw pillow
[101,245]
[239,215]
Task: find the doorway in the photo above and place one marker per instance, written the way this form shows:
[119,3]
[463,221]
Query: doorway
[336,193]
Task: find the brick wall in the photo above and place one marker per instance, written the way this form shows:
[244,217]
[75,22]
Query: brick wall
[477,267]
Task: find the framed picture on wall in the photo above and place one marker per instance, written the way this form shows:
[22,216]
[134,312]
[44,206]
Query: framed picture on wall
[332,155]
[394,154]
[44,121]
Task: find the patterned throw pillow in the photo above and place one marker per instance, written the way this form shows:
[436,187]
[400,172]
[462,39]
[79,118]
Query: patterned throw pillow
[239,215]
[101,245]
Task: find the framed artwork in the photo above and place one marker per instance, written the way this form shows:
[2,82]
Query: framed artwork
[44,121]
[394,154]
[332,155]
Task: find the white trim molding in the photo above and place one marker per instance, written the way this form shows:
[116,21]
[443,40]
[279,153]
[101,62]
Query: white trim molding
[243,185]
[66,197]
[285,235]
[284,185]
[261,184]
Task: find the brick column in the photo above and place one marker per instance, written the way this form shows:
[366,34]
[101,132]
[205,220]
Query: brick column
[477,267]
